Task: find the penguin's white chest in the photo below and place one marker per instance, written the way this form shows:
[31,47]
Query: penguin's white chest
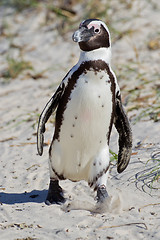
[86,121]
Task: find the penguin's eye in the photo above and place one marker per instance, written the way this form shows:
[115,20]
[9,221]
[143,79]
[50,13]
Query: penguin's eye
[97,30]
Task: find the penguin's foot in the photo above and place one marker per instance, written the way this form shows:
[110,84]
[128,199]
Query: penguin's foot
[101,193]
[55,193]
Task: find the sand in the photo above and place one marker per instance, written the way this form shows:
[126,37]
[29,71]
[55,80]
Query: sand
[133,209]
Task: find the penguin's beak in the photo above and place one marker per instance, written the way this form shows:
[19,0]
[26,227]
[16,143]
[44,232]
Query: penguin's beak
[82,34]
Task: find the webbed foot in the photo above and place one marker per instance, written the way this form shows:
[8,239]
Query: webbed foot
[102,193]
[55,193]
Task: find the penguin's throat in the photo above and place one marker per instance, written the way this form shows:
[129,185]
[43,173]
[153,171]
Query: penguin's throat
[103,54]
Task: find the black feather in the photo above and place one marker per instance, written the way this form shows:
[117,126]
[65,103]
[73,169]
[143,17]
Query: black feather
[125,135]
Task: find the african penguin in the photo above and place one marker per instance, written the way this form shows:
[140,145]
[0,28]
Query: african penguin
[87,103]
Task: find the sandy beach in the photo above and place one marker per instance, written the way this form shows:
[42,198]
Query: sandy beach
[132,210]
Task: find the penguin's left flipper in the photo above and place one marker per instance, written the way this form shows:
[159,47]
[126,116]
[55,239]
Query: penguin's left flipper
[125,135]
[46,113]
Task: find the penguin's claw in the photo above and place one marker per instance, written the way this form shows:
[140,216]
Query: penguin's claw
[102,194]
[55,194]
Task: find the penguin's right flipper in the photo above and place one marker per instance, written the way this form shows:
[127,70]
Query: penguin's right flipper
[45,115]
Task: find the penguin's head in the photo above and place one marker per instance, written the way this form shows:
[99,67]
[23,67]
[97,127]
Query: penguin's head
[92,34]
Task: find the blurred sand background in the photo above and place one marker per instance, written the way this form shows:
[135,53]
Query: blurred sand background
[36,51]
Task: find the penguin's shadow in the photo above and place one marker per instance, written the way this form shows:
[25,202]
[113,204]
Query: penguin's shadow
[35,196]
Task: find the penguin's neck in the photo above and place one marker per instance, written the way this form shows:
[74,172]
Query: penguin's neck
[103,54]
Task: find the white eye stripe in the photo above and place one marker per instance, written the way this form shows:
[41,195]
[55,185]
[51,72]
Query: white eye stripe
[95,25]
